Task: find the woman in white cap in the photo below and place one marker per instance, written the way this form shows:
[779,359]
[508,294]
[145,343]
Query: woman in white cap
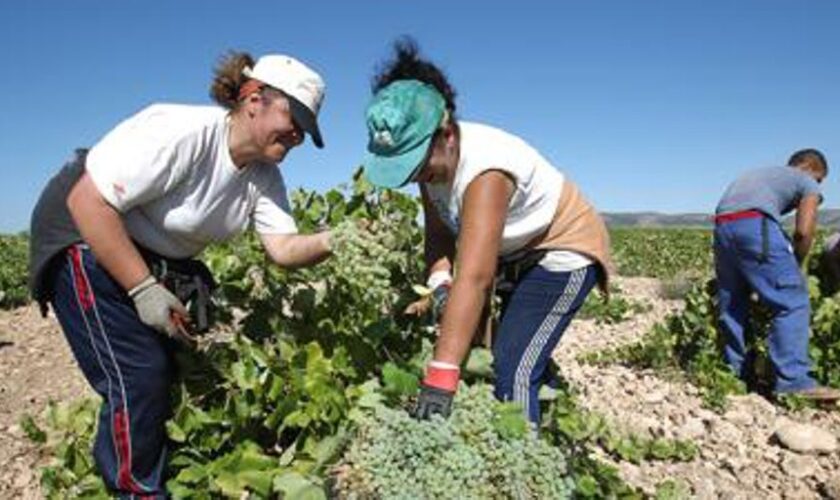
[114,233]
[491,202]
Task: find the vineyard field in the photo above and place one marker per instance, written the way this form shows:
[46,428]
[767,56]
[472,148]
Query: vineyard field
[302,389]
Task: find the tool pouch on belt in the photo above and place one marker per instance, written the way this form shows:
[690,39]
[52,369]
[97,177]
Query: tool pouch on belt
[190,281]
[510,271]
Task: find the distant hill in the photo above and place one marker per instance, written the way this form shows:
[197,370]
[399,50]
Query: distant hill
[828,218]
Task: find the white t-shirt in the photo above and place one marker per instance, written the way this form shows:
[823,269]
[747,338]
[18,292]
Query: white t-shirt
[831,241]
[534,201]
[168,171]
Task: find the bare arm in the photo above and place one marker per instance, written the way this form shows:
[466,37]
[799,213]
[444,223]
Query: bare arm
[102,228]
[439,245]
[484,213]
[806,225]
[297,250]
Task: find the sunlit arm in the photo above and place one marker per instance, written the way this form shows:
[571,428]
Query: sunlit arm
[806,226]
[296,250]
[102,228]
[483,217]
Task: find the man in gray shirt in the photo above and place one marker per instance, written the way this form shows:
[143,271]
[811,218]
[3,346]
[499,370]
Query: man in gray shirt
[753,254]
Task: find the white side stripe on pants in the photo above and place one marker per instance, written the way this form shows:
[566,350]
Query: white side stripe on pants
[120,381]
[76,291]
[522,379]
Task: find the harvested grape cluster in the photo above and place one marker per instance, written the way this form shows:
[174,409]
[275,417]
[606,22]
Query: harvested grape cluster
[484,450]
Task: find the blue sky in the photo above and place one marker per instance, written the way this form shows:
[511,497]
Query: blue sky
[647,105]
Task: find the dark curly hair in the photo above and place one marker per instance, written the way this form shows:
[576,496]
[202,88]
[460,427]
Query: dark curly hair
[408,65]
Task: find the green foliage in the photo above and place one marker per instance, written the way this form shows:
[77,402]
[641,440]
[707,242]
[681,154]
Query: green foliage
[67,439]
[266,410]
[572,426]
[309,340]
[14,273]
[484,450]
[661,253]
[612,311]
[824,346]
[678,286]
[672,490]
[313,359]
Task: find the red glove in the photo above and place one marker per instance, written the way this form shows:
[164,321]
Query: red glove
[437,390]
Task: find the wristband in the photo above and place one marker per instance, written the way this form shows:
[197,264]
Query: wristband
[442,375]
[146,283]
[439,278]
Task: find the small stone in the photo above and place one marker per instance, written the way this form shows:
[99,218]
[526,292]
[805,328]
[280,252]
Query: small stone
[705,415]
[771,454]
[738,417]
[654,397]
[729,492]
[693,428]
[799,466]
[725,432]
[645,424]
[831,488]
[22,479]
[797,492]
[704,489]
[735,464]
[805,438]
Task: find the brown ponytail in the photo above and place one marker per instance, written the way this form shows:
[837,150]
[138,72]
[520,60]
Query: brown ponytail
[229,78]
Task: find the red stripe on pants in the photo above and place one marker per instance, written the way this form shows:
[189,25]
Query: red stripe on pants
[122,437]
[82,288]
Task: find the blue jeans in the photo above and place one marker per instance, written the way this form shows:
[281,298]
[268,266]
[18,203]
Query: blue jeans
[744,263]
[534,318]
[129,364]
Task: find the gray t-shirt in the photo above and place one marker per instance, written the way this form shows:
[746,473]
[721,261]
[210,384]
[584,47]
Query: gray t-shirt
[772,190]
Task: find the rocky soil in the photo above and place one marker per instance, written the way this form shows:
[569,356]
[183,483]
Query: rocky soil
[36,366]
[741,455]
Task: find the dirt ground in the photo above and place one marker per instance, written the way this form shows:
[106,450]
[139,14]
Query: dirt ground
[738,457]
[36,366]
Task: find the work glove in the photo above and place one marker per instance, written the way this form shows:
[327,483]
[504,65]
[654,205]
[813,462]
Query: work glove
[439,283]
[437,390]
[439,297]
[160,309]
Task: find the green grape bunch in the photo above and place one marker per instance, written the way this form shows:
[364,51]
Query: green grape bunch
[486,449]
[363,253]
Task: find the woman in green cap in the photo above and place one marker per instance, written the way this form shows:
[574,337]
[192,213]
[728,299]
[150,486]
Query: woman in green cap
[493,205]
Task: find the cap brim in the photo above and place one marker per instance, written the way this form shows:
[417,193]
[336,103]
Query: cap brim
[306,120]
[394,171]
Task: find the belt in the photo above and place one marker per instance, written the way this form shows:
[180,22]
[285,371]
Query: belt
[509,272]
[190,280]
[733,216]
[751,214]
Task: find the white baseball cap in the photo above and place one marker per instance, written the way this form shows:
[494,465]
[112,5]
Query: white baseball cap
[302,85]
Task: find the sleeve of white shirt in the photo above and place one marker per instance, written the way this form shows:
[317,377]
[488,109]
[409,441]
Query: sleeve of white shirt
[272,210]
[143,158]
